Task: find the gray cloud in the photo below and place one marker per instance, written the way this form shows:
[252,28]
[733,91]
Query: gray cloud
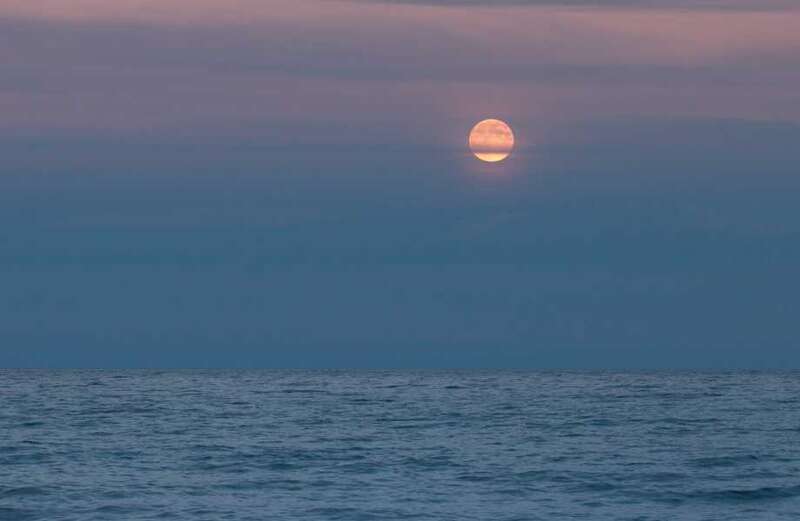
[746,5]
[329,81]
[49,55]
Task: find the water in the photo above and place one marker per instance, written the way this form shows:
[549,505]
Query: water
[494,445]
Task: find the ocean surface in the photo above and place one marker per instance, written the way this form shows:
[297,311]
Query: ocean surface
[391,445]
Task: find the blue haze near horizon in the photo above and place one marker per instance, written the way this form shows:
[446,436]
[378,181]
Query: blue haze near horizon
[629,252]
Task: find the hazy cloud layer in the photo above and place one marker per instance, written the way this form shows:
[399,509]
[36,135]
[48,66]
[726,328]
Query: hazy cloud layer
[249,11]
[745,5]
[358,69]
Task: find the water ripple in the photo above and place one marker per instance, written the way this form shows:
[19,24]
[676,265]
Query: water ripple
[349,445]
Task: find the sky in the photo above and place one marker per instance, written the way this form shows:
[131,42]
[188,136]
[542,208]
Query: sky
[287,183]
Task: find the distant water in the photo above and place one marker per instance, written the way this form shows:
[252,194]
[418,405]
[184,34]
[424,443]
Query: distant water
[344,445]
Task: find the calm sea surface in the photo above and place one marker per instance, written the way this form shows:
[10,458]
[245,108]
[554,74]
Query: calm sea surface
[350,445]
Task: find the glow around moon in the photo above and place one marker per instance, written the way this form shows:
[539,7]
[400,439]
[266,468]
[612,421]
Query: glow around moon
[491,140]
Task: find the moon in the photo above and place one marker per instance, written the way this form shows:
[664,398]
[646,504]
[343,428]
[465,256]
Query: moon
[491,140]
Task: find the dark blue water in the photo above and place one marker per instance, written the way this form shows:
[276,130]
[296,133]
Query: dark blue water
[216,445]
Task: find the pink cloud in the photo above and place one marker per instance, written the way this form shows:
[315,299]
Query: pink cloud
[172,66]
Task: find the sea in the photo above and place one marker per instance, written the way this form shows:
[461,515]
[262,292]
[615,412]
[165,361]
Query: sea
[394,445]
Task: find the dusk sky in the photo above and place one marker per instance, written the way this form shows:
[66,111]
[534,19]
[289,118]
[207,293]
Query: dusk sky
[288,184]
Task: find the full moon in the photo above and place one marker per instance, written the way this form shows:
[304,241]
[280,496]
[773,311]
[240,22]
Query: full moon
[491,140]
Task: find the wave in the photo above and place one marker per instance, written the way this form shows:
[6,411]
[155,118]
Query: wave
[747,495]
